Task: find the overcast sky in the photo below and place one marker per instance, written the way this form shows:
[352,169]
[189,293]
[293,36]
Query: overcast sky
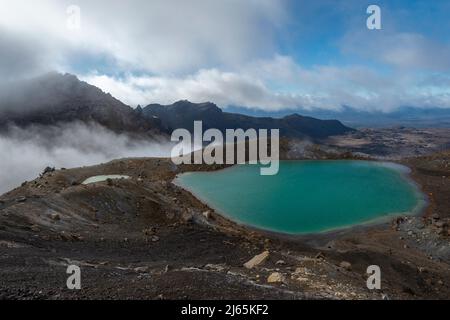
[256,53]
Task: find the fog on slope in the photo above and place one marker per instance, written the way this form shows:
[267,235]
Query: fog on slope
[26,152]
[46,90]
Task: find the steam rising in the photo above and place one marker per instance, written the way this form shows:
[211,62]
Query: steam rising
[26,152]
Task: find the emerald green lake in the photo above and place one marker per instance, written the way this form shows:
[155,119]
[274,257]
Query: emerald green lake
[307,196]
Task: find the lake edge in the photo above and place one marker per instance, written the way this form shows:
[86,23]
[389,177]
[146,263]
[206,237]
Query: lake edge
[403,170]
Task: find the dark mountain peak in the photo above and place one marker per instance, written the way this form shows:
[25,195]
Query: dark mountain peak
[191,106]
[51,91]
[60,81]
[56,97]
[67,77]
[293,116]
[182,114]
[182,103]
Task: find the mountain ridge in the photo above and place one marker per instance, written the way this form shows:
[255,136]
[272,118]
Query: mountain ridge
[415,117]
[183,113]
[60,98]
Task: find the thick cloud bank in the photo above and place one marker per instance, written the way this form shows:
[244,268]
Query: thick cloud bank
[260,54]
[26,152]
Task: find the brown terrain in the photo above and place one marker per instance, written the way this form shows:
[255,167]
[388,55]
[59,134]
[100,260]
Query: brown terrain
[146,238]
[394,143]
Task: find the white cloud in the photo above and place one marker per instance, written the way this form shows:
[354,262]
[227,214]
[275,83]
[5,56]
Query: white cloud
[221,51]
[76,144]
[402,50]
[155,36]
[222,88]
[280,83]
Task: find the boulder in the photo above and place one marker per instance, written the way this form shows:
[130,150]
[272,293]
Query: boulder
[346,265]
[65,236]
[21,199]
[275,277]
[257,260]
[187,217]
[207,214]
[47,170]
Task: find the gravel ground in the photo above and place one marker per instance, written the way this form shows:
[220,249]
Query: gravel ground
[145,238]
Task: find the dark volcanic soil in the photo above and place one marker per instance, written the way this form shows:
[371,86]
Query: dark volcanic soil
[145,238]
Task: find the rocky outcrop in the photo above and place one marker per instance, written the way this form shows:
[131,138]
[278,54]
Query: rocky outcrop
[275,277]
[257,260]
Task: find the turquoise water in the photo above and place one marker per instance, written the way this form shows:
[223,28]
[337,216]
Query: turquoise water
[307,196]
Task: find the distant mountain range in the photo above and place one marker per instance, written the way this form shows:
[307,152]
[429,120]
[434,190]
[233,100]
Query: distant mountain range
[402,116]
[182,114]
[55,98]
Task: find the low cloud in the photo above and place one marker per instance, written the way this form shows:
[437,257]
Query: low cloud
[280,83]
[222,88]
[26,152]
